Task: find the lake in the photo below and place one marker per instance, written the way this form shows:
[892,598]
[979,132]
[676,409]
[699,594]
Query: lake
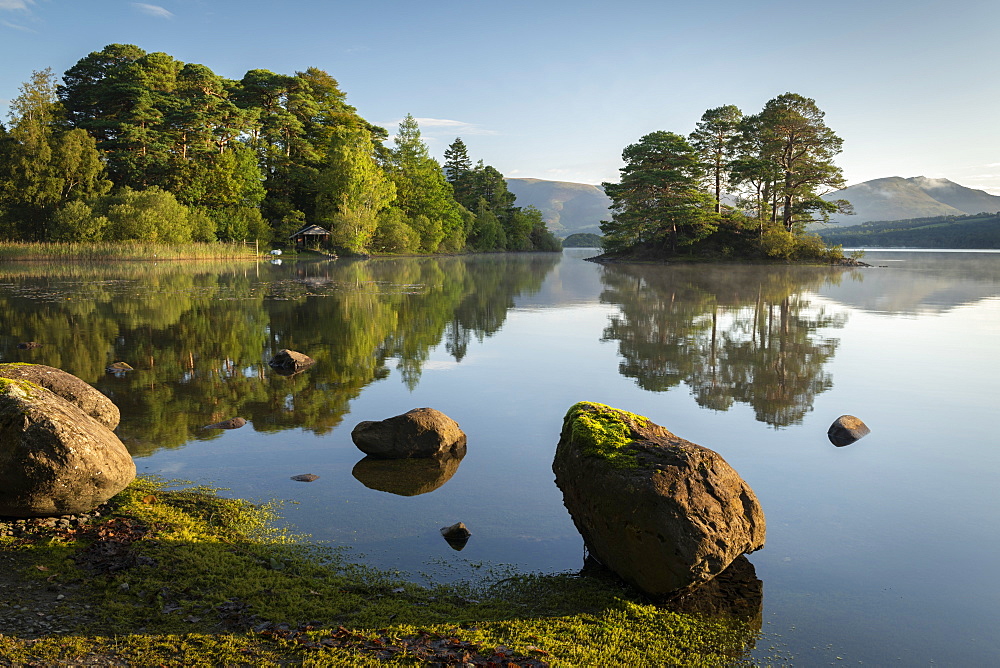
[879,552]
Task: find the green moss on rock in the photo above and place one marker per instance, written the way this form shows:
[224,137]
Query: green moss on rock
[605,432]
[22,389]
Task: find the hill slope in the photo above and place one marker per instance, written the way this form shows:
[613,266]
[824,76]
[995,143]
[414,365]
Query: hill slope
[567,208]
[896,198]
[969,231]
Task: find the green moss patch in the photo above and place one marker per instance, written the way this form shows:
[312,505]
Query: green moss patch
[186,577]
[605,432]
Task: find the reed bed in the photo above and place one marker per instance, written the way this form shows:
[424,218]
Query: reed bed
[124,251]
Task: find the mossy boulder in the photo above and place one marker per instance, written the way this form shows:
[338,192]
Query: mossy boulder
[663,513]
[54,458]
[67,386]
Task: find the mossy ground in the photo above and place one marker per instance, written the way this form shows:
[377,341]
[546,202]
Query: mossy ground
[185,577]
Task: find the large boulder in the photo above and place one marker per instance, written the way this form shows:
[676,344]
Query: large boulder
[54,458]
[67,386]
[422,432]
[663,513]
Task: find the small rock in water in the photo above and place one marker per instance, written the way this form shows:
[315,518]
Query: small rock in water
[846,430]
[119,368]
[29,345]
[305,477]
[290,362]
[231,423]
[457,535]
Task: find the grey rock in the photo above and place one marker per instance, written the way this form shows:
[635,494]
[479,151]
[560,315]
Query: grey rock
[305,477]
[421,432]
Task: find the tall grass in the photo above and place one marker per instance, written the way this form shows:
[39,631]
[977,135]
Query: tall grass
[123,250]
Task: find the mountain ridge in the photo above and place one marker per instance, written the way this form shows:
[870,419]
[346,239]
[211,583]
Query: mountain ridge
[567,207]
[898,198]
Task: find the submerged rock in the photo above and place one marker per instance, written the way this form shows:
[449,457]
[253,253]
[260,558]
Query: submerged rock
[119,368]
[406,477]
[231,423]
[29,345]
[421,432]
[69,387]
[54,458]
[846,430]
[663,513]
[289,362]
[457,535]
[305,477]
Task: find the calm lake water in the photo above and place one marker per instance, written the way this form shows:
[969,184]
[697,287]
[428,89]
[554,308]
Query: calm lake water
[881,552]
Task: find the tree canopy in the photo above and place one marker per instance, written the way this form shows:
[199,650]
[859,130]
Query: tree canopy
[214,158]
[743,186]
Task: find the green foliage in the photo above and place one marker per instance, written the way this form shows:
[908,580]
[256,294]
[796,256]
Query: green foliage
[75,221]
[713,138]
[583,240]
[658,201]
[353,190]
[255,159]
[147,215]
[422,190]
[779,161]
[44,165]
[393,234]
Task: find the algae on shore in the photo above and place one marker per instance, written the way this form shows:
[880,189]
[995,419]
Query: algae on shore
[185,576]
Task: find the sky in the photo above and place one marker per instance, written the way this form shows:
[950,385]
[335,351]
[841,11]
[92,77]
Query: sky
[555,89]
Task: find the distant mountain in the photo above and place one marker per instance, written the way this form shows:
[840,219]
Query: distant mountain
[567,208]
[896,198]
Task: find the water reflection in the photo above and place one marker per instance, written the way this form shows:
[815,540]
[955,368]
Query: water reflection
[730,333]
[199,335]
[406,477]
[913,282]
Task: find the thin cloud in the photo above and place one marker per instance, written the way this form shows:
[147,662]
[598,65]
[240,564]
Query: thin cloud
[17,27]
[151,10]
[437,125]
[13,5]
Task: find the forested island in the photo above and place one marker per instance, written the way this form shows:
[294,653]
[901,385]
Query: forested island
[738,187]
[136,146]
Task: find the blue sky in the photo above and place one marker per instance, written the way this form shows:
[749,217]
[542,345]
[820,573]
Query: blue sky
[554,89]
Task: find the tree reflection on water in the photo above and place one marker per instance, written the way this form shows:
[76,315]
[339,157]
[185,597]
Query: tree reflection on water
[199,336]
[732,334]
